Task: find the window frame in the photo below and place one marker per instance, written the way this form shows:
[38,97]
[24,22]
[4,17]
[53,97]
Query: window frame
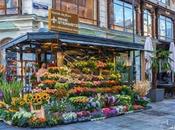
[124,6]
[166,20]
[83,19]
[148,14]
[9,14]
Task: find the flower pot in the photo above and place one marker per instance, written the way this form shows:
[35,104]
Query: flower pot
[156,95]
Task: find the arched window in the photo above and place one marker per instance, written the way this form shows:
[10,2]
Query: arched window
[9,7]
[85,9]
[147,23]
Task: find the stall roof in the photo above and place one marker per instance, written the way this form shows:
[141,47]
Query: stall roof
[43,37]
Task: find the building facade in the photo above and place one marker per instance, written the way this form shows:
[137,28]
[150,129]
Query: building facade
[111,19]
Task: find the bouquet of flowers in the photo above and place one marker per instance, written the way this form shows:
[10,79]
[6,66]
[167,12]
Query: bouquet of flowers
[100,64]
[79,102]
[69,117]
[84,116]
[109,112]
[37,99]
[97,115]
[94,104]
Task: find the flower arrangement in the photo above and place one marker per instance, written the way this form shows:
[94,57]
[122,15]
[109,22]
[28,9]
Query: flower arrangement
[37,99]
[115,76]
[35,122]
[109,112]
[79,102]
[83,116]
[124,100]
[3,105]
[50,91]
[69,117]
[18,102]
[47,83]
[101,64]
[21,118]
[142,88]
[94,104]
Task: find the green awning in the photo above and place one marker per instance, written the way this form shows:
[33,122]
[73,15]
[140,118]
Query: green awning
[7,26]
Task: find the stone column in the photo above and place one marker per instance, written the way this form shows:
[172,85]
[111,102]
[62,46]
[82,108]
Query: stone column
[154,24]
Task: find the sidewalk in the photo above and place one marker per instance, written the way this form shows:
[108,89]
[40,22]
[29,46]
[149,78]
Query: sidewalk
[160,117]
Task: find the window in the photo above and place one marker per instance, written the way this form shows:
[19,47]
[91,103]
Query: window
[123,18]
[147,23]
[167,2]
[165,28]
[8,7]
[86,9]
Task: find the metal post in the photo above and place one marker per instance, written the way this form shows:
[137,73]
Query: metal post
[133,22]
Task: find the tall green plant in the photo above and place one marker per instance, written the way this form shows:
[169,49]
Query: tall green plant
[10,90]
[159,55]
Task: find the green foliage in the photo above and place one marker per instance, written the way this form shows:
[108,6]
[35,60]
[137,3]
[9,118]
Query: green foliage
[161,55]
[59,85]
[56,106]
[21,118]
[5,115]
[10,90]
[124,100]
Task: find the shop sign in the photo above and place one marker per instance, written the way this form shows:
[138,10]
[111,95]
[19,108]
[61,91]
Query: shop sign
[62,21]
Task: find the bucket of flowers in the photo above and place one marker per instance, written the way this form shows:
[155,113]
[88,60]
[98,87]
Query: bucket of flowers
[70,117]
[83,116]
[36,101]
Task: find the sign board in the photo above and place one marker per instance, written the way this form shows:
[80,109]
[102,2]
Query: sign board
[62,21]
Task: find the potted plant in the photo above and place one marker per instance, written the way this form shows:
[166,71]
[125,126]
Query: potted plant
[157,94]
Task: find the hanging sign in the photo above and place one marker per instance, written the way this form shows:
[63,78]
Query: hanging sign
[62,21]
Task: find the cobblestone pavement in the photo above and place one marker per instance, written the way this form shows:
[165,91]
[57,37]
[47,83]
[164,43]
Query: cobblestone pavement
[160,117]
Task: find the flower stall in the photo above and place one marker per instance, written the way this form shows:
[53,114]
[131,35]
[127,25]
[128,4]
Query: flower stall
[81,83]
[84,90]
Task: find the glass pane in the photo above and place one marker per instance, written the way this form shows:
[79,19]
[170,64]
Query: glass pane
[118,15]
[162,28]
[128,19]
[145,21]
[12,3]
[12,11]
[169,30]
